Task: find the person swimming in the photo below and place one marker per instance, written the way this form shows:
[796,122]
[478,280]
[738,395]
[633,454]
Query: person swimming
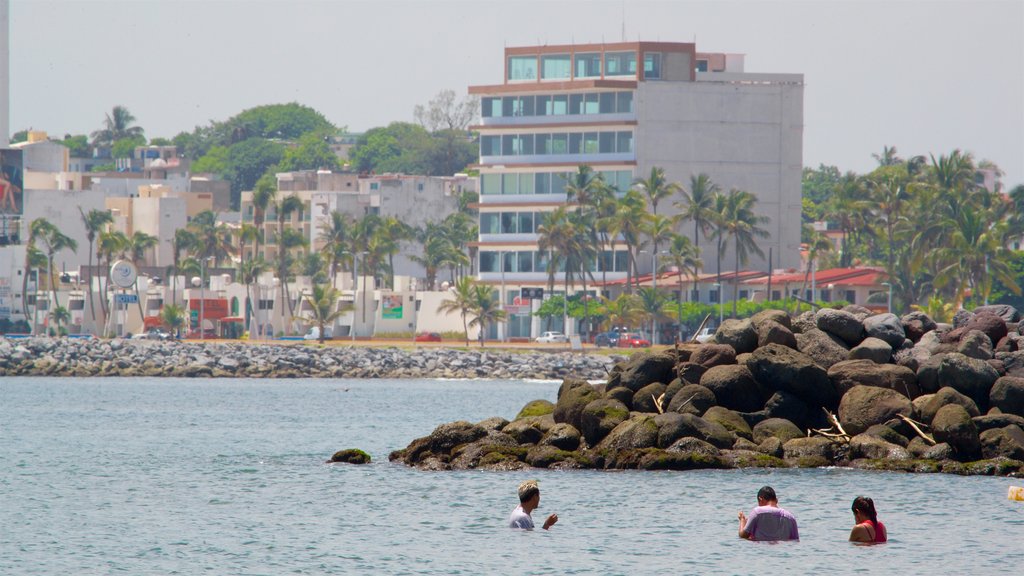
[868,528]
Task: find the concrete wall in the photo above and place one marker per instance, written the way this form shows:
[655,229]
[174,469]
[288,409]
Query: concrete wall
[5,77]
[61,208]
[743,135]
[44,156]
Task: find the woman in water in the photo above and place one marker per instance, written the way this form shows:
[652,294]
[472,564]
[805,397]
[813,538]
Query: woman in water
[868,528]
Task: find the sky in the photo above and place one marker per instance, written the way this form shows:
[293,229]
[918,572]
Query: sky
[924,76]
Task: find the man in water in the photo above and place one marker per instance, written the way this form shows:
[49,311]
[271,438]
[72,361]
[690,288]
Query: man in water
[768,522]
[529,500]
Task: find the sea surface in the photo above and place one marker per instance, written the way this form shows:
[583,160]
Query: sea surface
[180,476]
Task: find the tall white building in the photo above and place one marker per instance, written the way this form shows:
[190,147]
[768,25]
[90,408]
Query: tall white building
[5,74]
[623,109]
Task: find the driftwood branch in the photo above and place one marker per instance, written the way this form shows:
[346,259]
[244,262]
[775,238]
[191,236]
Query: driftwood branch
[914,425]
[693,338]
[658,401]
[835,432]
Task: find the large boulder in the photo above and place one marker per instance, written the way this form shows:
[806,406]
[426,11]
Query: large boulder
[803,322]
[917,324]
[784,430]
[972,377]
[734,387]
[990,421]
[1007,395]
[841,324]
[645,398]
[739,334]
[824,348]
[788,406]
[441,441]
[639,431]
[871,348]
[944,397]
[692,399]
[622,394]
[1006,442]
[888,434]
[810,450]
[645,368]
[771,315]
[1006,312]
[777,367]
[865,406]
[562,436]
[993,326]
[600,417]
[868,446]
[529,430]
[771,332]
[673,426]
[975,344]
[953,425]
[1013,362]
[690,372]
[886,327]
[536,408]
[730,420]
[351,456]
[569,407]
[928,373]
[710,355]
[850,373]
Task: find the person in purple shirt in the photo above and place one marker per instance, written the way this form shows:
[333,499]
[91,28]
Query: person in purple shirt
[768,522]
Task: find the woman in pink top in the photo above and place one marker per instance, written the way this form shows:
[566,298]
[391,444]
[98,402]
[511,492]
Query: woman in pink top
[868,528]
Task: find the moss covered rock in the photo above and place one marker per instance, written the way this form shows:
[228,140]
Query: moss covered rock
[536,408]
[351,456]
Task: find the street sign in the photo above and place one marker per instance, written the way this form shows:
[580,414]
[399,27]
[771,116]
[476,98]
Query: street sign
[532,293]
[123,273]
[126,298]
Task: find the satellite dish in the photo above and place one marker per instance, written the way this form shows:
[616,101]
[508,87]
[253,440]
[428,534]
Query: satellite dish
[123,274]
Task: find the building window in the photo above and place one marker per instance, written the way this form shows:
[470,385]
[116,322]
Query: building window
[702,65]
[588,65]
[555,67]
[374,186]
[509,183]
[522,68]
[851,296]
[489,223]
[652,66]
[491,107]
[620,64]
[625,142]
[508,222]
[525,261]
[490,146]
[525,222]
[559,105]
[508,261]
[607,103]
[488,261]
[776,295]
[490,184]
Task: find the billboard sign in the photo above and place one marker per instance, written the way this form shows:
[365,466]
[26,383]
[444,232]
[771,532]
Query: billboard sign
[12,181]
[392,307]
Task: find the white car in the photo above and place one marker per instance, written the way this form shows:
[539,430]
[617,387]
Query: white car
[552,337]
[705,335]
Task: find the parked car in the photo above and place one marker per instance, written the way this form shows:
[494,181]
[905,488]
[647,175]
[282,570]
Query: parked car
[208,334]
[428,337]
[157,334]
[609,339]
[705,335]
[314,333]
[552,337]
[633,340]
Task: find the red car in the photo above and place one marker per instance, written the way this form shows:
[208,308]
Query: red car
[428,337]
[633,340]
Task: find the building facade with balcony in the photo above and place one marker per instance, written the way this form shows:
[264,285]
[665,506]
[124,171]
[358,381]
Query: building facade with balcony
[623,109]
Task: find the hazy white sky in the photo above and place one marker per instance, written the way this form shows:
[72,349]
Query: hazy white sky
[924,76]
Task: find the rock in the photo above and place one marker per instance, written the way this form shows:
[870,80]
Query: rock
[788,406]
[493,423]
[569,384]
[953,425]
[1005,312]
[990,421]
[690,372]
[864,406]
[1007,395]
[600,417]
[691,445]
[562,436]
[645,368]
[784,430]
[744,444]
[885,327]
[771,332]
[918,446]
[772,315]
[974,378]
[351,456]
[644,399]
[678,460]
[941,451]
[733,387]
[730,420]
[1007,442]
[849,373]
[772,446]
[497,449]
[803,322]
[824,348]
[548,456]
[869,446]
[944,397]
[536,408]
[529,430]
[777,367]
[857,310]
[710,355]
[928,374]
[570,404]
[813,447]
[739,334]
[873,349]
[673,426]
[622,394]
[692,399]
[841,324]
[961,318]
[639,431]
[916,325]
[888,434]
[975,344]
[993,326]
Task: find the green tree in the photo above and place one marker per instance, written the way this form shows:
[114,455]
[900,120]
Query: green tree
[743,225]
[335,237]
[312,152]
[78,146]
[698,205]
[463,301]
[55,241]
[173,318]
[651,302]
[111,244]
[283,121]
[139,244]
[685,258]
[398,147]
[125,147]
[116,126]
[656,187]
[323,308]
[486,309]
[60,317]
[95,221]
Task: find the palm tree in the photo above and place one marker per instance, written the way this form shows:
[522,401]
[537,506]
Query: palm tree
[651,302]
[184,241]
[263,197]
[628,221]
[111,244]
[976,253]
[656,187]
[60,315]
[173,317]
[660,230]
[849,207]
[622,311]
[817,243]
[95,221]
[335,237]
[463,301]
[289,240]
[685,258]
[138,244]
[249,273]
[34,258]
[388,239]
[116,126]
[486,308]
[213,240]
[888,157]
[323,307]
[744,226]
[698,205]
[55,241]
[438,252]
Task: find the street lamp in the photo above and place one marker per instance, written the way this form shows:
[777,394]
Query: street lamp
[889,305]
[718,290]
[504,298]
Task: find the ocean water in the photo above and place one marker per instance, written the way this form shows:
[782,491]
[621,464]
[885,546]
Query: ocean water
[179,476]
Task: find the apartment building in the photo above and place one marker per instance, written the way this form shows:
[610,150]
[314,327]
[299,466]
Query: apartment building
[623,109]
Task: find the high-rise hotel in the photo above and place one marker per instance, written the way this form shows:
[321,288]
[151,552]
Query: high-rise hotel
[623,109]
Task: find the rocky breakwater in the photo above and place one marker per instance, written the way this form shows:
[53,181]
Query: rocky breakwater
[133,358]
[834,387]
